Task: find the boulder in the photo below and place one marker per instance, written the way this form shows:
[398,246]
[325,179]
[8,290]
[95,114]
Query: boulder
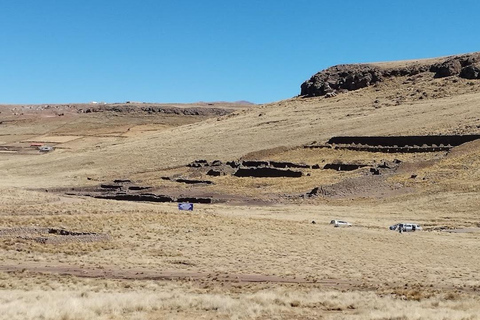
[215,173]
[216,163]
[446,69]
[233,164]
[471,72]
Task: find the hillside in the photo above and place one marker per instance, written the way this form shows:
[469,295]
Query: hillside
[420,104]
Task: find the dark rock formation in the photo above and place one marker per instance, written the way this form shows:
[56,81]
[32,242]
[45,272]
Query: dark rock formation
[404,141]
[195,200]
[111,186]
[158,109]
[216,163]
[63,232]
[461,66]
[356,76]
[255,163]
[122,181]
[396,144]
[191,181]
[343,166]
[137,188]
[150,197]
[413,149]
[267,173]
[198,163]
[233,164]
[471,72]
[346,77]
[215,173]
[447,68]
[283,164]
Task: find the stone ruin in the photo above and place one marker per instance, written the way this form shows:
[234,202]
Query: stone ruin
[252,168]
[266,172]
[396,144]
[125,190]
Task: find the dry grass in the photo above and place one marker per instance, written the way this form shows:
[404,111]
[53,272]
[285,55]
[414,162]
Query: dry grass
[40,298]
[234,240]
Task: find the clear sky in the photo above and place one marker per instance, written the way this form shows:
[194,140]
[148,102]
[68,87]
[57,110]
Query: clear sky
[59,51]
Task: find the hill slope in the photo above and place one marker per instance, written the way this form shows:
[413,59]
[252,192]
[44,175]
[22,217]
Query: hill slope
[400,105]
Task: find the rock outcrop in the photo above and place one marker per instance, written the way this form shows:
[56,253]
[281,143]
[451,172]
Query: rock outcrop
[349,77]
[341,77]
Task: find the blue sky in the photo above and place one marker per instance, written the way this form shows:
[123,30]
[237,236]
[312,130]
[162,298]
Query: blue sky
[55,51]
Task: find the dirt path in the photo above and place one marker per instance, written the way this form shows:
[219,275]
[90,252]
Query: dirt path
[146,274]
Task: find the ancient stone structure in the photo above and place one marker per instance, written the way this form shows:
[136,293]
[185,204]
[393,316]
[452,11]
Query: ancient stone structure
[397,144]
[150,197]
[267,173]
[193,181]
[404,141]
[343,166]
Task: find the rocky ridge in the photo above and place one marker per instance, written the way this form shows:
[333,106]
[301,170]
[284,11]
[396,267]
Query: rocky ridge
[349,77]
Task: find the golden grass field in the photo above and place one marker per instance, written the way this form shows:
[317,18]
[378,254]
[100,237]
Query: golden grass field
[262,259]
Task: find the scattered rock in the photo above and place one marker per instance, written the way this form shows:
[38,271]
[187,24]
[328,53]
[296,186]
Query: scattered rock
[198,163]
